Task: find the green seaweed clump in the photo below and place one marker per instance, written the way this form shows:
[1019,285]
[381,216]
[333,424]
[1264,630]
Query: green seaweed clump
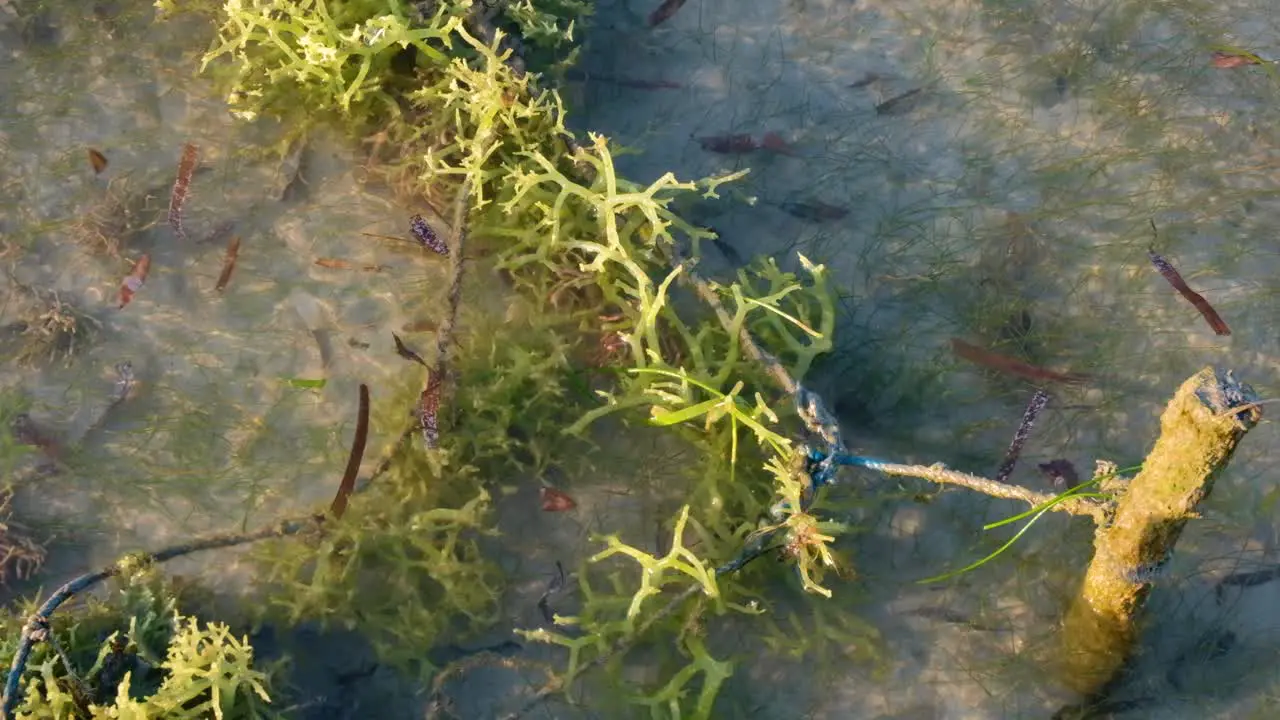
[405,566]
[606,621]
[358,56]
[552,212]
[137,656]
[400,567]
[323,55]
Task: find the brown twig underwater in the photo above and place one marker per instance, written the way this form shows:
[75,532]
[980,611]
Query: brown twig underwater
[348,484]
[429,400]
[178,198]
[1196,299]
[708,295]
[427,408]
[439,703]
[228,264]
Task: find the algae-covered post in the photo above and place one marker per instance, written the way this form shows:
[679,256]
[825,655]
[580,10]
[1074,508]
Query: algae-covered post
[1199,432]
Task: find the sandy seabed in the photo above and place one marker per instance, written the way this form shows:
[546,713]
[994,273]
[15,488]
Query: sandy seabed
[938,135]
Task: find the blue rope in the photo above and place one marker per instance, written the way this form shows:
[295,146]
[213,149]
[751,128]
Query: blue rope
[820,464]
[823,464]
[860,461]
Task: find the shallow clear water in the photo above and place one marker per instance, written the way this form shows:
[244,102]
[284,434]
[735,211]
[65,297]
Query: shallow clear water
[1022,178]
[245,396]
[1085,121]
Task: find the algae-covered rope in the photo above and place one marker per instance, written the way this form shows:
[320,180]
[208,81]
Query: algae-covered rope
[820,421]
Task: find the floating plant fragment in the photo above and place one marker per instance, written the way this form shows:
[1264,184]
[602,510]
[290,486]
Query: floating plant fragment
[178,198]
[1038,401]
[1196,299]
[665,11]
[986,358]
[305,383]
[133,281]
[427,237]
[228,264]
[98,161]
[554,500]
[348,484]
[1228,60]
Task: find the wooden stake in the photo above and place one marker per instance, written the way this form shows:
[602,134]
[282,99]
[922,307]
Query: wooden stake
[1198,435]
